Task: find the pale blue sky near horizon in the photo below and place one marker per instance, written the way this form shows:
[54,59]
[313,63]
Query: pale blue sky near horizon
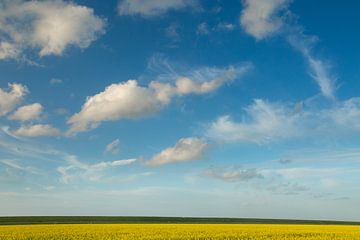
[216,108]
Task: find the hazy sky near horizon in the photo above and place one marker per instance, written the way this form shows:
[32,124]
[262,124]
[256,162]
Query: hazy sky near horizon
[180,108]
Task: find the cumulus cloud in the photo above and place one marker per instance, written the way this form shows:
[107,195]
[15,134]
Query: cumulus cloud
[37,130]
[11,97]
[8,50]
[48,27]
[232,174]
[153,8]
[28,112]
[121,100]
[260,17]
[129,100]
[186,149]
[265,122]
[93,172]
[113,147]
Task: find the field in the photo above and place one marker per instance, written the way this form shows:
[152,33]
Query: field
[179,231]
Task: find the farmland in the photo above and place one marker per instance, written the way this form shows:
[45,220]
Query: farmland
[179,231]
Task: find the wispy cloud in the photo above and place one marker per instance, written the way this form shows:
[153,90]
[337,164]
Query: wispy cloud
[113,147]
[265,122]
[173,32]
[20,147]
[17,166]
[232,174]
[285,161]
[93,172]
[153,8]
[264,18]
[205,28]
[225,26]
[346,156]
[307,175]
[67,165]
[320,69]
[55,81]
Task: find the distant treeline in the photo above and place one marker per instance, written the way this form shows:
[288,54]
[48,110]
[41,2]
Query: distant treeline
[150,220]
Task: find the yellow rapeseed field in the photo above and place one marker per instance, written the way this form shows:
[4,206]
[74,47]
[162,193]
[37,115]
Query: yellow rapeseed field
[179,231]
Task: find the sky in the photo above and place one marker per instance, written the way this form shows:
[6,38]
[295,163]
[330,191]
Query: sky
[200,108]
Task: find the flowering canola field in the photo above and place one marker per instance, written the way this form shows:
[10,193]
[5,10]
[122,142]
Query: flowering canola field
[179,232]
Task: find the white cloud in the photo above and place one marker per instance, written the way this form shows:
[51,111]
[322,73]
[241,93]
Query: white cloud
[104,165]
[37,130]
[260,17]
[347,114]
[54,81]
[264,122]
[186,149]
[232,174]
[49,188]
[319,69]
[172,31]
[203,29]
[113,147]
[225,26]
[217,76]
[20,148]
[8,50]
[129,100]
[93,172]
[302,172]
[48,27]
[28,112]
[17,166]
[152,8]
[61,111]
[9,99]
[321,75]
[122,100]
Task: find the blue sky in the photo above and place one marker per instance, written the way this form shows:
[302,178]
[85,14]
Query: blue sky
[180,108]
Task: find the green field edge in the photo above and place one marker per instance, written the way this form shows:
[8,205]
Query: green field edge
[26,220]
